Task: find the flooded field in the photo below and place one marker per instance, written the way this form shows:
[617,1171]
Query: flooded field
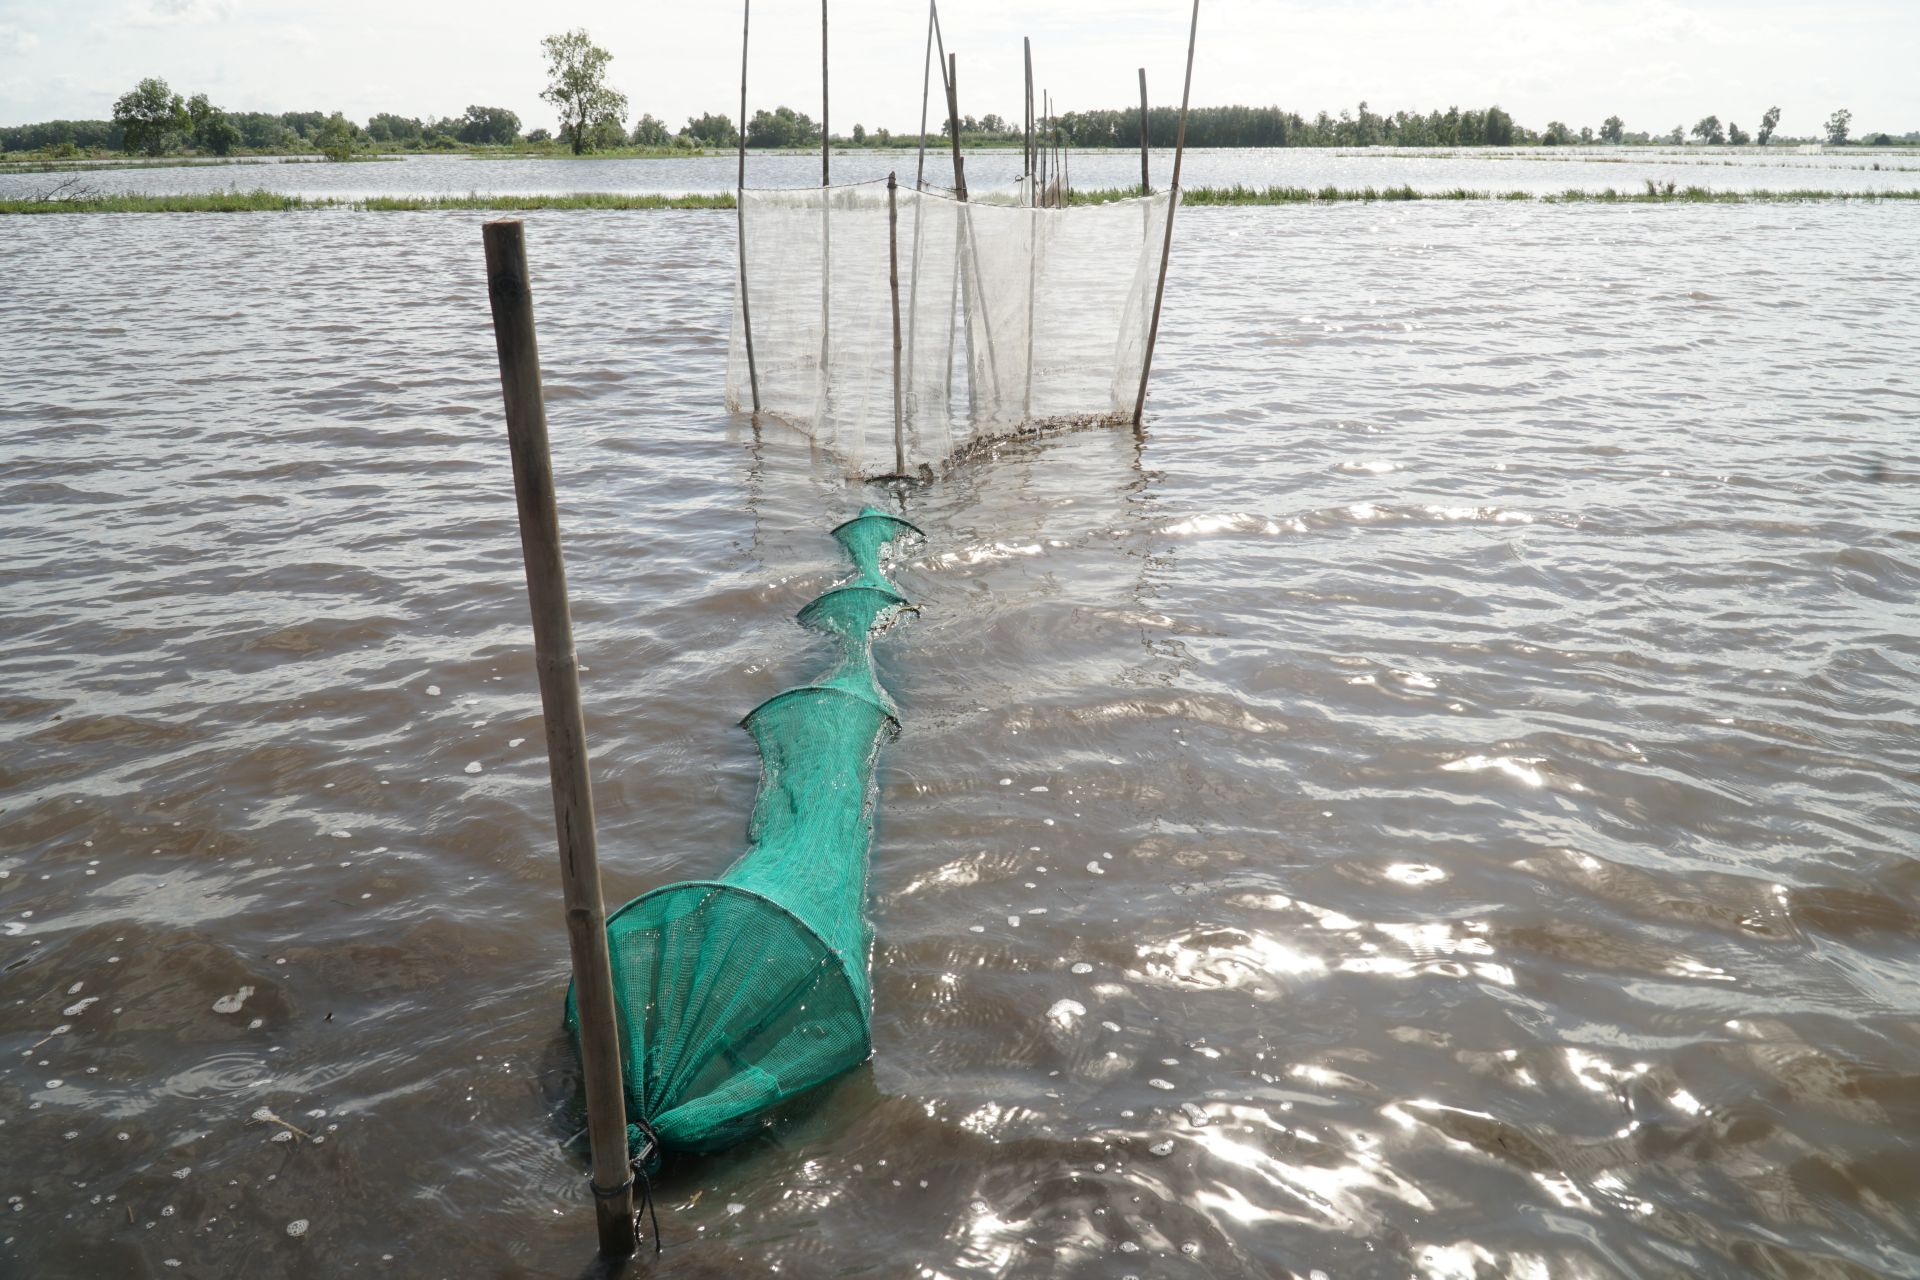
[1442,804]
[1541,171]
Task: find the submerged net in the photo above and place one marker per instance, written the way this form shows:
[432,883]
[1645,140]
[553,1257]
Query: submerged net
[1011,317]
[737,993]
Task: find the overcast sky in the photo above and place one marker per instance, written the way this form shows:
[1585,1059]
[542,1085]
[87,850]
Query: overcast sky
[1656,63]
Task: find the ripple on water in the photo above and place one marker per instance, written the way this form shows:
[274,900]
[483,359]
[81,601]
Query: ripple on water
[1486,805]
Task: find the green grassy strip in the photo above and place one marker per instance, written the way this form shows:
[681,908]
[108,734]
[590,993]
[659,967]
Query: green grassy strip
[1668,194]
[578,200]
[211,202]
[275,202]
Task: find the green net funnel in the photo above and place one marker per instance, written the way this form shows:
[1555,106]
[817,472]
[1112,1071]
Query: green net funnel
[738,993]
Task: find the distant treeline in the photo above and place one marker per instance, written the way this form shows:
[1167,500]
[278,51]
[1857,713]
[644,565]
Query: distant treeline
[166,123]
[270,132]
[1239,126]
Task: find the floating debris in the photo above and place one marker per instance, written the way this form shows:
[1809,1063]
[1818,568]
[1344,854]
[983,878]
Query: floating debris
[1065,1011]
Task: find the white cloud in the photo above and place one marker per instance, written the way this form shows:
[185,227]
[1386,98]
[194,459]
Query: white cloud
[1656,63]
[14,40]
[176,13]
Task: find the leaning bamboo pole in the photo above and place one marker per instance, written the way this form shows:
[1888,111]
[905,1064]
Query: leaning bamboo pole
[740,208]
[926,84]
[968,251]
[1173,203]
[510,294]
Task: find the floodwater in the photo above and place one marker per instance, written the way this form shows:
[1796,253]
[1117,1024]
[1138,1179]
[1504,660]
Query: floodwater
[1442,804]
[1541,171]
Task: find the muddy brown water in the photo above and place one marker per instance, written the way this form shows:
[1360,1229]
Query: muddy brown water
[1442,804]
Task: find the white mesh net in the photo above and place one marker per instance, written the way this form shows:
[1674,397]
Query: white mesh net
[1011,318]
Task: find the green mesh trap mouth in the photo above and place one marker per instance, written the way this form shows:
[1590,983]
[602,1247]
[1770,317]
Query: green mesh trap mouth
[736,994]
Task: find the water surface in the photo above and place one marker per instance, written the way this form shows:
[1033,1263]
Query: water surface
[1442,803]
[1541,171]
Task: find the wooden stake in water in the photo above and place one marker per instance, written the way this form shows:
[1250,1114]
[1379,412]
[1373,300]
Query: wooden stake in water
[1026,153]
[953,123]
[1173,203]
[1146,176]
[926,85]
[826,134]
[740,207]
[511,294]
[893,287]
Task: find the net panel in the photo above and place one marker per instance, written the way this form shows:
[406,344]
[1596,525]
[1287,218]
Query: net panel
[738,993]
[1010,316]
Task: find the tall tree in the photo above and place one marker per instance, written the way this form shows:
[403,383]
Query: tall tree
[489,126]
[1709,131]
[149,114]
[1736,136]
[1497,131]
[337,137]
[1613,130]
[1768,123]
[212,131]
[649,132]
[1837,126]
[577,87]
[388,127]
[710,130]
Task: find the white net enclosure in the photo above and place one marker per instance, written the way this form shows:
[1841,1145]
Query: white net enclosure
[1011,318]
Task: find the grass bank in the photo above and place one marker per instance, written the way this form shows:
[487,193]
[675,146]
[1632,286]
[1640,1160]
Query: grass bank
[275,202]
[1667,193]
[261,201]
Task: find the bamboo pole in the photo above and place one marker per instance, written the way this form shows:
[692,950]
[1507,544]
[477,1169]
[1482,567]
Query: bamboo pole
[1146,175]
[1026,151]
[1173,203]
[510,293]
[926,85]
[893,288]
[966,245]
[740,207]
[826,134]
[822,392]
[953,123]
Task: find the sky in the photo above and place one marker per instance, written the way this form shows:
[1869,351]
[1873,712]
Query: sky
[1655,63]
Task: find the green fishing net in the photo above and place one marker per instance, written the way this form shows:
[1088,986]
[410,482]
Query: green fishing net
[738,993]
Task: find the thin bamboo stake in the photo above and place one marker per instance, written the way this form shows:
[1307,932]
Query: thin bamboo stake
[740,207]
[822,394]
[953,123]
[1026,151]
[893,287]
[1146,175]
[511,295]
[926,84]
[826,134]
[1173,203]
[966,247]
